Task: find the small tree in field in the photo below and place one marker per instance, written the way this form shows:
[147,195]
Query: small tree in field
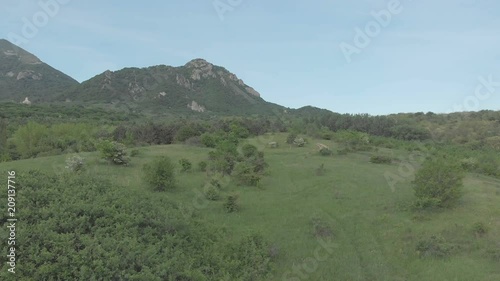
[114,152]
[160,174]
[438,183]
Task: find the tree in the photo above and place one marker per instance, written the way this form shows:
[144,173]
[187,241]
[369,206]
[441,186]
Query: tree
[438,183]
[30,139]
[224,157]
[114,152]
[160,174]
[3,138]
[249,150]
[244,174]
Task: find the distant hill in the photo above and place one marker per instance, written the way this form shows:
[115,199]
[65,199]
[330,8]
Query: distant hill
[23,75]
[198,86]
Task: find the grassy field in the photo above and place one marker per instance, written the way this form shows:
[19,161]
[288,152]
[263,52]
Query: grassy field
[347,224]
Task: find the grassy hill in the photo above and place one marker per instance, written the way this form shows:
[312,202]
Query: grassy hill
[370,231]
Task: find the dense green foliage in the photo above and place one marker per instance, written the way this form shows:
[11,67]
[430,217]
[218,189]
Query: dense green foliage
[160,174]
[186,165]
[438,183]
[113,152]
[85,228]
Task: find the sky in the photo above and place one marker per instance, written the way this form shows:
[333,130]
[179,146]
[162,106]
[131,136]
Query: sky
[357,56]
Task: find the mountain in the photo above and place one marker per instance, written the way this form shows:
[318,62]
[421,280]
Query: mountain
[23,75]
[198,86]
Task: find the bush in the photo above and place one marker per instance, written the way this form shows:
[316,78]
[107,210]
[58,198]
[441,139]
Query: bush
[469,164]
[224,158]
[113,152]
[185,165]
[380,159]
[479,228]
[231,205]
[325,151]
[75,164]
[211,192]
[438,183]
[435,246]
[209,140]
[202,166]
[160,174]
[244,174]
[249,150]
[300,142]
[291,137]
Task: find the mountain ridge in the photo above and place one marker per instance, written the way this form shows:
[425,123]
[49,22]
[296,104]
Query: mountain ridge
[197,86]
[23,75]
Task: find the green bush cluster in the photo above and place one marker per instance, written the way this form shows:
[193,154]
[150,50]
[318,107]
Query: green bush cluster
[438,183]
[113,152]
[160,174]
[82,227]
[186,165]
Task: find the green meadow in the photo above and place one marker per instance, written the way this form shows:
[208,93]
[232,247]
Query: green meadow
[342,222]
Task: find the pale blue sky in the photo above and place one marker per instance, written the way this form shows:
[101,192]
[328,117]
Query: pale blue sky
[428,57]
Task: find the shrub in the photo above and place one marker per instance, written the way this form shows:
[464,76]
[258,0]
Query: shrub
[209,140]
[211,192]
[300,142]
[380,159]
[469,164]
[244,174]
[479,228]
[160,174]
[224,158]
[113,152]
[435,246]
[258,162]
[438,183]
[185,165]
[291,137]
[216,181]
[249,150]
[202,166]
[325,151]
[75,163]
[231,205]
